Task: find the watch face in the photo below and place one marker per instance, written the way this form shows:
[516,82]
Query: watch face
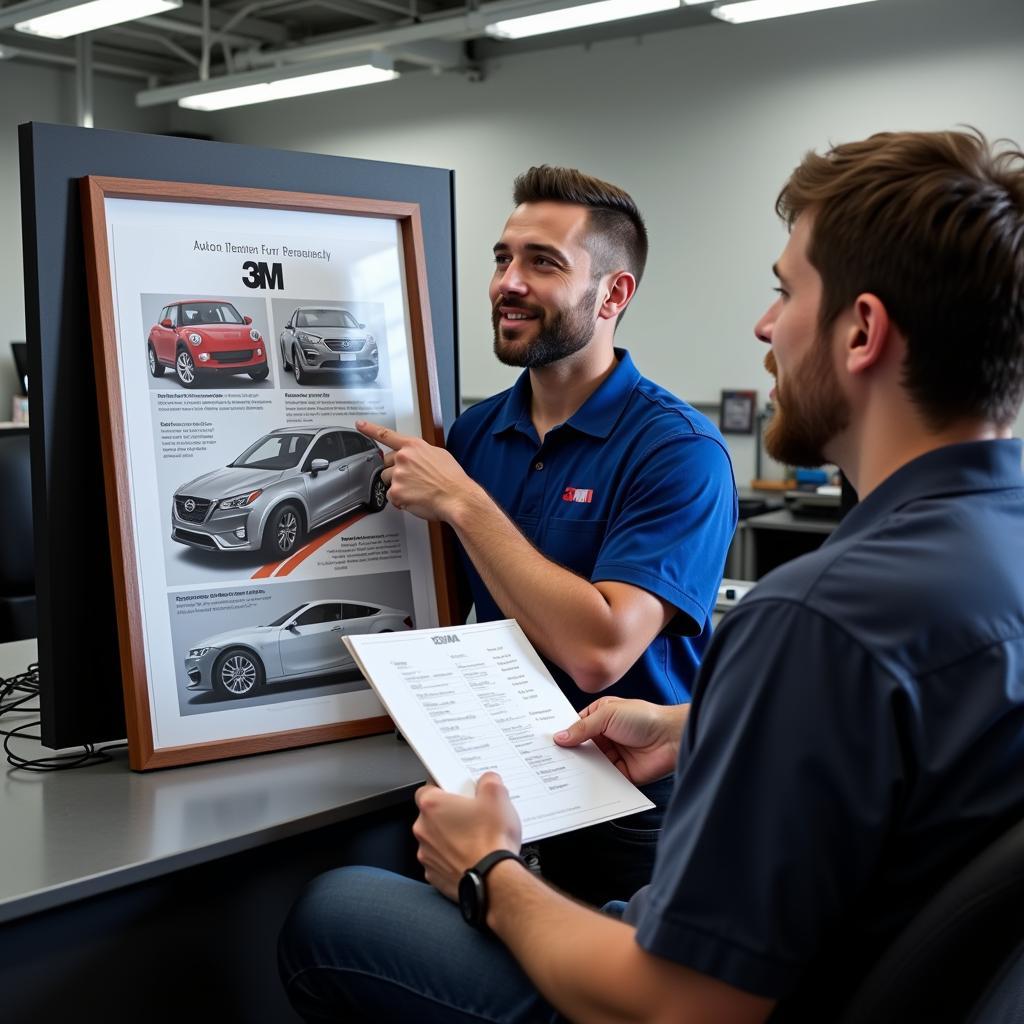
[471,897]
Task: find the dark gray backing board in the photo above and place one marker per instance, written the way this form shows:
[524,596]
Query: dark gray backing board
[79,666]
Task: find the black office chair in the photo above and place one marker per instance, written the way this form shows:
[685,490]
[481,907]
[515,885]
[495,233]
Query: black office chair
[961,959]
[17,572]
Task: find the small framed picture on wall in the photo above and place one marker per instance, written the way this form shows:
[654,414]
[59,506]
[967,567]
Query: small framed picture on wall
[737,412]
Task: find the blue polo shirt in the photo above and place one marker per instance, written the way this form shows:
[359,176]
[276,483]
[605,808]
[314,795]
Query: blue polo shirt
[636,486]
[857,734]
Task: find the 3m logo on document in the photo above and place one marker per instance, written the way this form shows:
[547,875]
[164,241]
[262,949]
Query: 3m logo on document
[584,495]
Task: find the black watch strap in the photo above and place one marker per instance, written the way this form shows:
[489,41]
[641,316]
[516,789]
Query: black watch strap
[473,887]
[485,864]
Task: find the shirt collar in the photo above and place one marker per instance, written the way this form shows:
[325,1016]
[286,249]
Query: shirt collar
[953,469]
[596,416]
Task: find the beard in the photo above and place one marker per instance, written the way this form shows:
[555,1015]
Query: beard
[810,411]
[561,334]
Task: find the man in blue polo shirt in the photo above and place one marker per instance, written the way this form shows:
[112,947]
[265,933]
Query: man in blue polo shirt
[590,504]
[856,730]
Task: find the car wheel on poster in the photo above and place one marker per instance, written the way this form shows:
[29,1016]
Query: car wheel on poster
[238,673]
[185,369]
[156,368]
[368,376]
[378,494]
[261,373]
[301,376]
[284,533]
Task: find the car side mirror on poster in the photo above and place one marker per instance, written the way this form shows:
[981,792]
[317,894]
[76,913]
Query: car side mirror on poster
[166,323]
[292,628]
[362,327]
[247,319]
[318,466]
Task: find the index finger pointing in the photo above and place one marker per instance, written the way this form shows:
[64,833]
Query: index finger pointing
[384,435]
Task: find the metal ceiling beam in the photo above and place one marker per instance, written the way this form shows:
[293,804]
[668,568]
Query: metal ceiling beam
[188,20]
[367,12]
[157,39]
[439,54]
[435,42]
[83,79]
[451,27]
[29,53]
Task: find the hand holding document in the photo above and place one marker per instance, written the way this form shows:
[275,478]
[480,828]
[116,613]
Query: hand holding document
[471,699]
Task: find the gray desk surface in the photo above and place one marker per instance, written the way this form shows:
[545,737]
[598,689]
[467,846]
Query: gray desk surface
[72,834]
[783,519]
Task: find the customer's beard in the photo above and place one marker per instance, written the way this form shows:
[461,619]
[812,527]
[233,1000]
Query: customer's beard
[562,334]
[809,411]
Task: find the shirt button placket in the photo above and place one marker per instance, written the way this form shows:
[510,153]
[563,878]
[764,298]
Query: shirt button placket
[533,488]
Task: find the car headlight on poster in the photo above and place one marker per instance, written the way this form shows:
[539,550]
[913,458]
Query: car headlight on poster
[240,500]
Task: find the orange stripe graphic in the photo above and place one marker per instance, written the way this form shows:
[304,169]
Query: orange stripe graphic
[279,569]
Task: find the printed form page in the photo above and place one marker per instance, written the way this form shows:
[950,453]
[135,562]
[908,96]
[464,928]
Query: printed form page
[471,699]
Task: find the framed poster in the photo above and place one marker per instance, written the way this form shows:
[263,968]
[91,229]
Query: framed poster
[738,409]
[238,334]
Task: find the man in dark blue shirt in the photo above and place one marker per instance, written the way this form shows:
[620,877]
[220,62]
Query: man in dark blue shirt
[590,504]
[856,729]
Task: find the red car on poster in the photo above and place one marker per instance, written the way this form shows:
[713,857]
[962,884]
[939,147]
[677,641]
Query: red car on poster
[200,337]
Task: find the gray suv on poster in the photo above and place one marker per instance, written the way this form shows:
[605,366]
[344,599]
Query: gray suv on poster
[304,642]
[289,482]
[320,338]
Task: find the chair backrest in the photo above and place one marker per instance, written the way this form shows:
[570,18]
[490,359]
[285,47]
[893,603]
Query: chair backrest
[962,953]
[1003,1003]
[17,569]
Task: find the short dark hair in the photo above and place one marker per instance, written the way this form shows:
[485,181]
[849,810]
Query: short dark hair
[933,224]
[617,237]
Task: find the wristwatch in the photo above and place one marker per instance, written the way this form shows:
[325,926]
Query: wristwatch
[473,888]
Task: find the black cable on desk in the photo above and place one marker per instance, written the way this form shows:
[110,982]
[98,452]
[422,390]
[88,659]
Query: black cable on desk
[15,693]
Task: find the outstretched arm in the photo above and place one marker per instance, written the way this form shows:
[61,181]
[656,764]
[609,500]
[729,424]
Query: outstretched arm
[594,631]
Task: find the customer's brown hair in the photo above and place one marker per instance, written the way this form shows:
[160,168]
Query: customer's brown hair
[617,236]
[932,223]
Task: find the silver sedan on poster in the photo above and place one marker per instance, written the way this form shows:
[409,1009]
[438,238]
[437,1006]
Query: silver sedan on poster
[303,643]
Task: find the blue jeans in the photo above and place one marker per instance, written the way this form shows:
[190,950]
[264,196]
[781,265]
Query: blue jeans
[362,944]
[610,861]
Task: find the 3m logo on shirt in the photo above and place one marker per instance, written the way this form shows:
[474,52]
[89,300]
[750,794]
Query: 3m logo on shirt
[581,494]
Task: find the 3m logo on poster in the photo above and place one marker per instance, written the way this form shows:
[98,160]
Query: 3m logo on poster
[262,275]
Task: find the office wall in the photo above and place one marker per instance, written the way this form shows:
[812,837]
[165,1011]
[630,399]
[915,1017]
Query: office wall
[39,93]
[702,125]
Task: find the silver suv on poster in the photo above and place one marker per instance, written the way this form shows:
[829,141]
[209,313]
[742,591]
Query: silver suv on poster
[286,484]
[318,338]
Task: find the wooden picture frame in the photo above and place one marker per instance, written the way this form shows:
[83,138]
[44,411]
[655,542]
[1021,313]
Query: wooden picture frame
[138,232]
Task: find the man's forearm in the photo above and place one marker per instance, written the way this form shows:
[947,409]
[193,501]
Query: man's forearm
[577,958]
[565,616]
[589,966]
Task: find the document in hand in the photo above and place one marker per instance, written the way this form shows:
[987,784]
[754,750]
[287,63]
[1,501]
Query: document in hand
[471,699]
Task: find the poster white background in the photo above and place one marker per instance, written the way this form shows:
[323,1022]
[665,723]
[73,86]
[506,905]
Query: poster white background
[185,249]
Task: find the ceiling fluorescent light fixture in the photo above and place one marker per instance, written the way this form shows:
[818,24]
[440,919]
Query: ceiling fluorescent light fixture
[60,20]
[577,17]
[759,10]
[284,88]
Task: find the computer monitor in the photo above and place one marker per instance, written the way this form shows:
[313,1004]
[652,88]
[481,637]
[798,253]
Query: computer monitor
[20,350]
